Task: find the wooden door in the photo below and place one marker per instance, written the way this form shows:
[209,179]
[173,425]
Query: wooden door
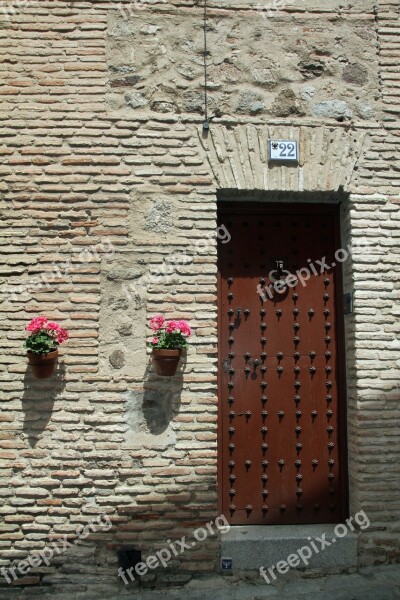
[282,426]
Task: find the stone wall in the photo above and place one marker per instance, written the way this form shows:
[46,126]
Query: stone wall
[103,151]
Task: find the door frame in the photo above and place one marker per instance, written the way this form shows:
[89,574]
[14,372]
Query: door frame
[265,207]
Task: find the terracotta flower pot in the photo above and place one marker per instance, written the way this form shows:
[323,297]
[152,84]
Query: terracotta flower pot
[42,364]
[166,361]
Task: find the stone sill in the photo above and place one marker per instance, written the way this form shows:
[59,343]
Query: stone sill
[251,547]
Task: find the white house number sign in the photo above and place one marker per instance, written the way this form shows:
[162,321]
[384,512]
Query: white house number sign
[283,150]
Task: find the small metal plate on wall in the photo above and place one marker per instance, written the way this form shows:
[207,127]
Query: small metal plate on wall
[226,564]
[283,150]
[348,303]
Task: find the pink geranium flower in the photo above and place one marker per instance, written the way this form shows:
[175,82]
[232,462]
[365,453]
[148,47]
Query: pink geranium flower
[37,324]
[169,335]
[171,326]
[44,335]
[184,327]
[157,322]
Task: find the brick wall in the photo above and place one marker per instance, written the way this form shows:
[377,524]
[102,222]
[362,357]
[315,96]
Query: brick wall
[102,150]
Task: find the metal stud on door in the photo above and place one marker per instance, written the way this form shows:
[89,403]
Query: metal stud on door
[281,412]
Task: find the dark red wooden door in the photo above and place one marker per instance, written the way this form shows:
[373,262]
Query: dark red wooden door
[282,441]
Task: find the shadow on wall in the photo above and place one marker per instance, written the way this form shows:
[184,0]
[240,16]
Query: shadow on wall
[152,407]
[38,401]
[162,397]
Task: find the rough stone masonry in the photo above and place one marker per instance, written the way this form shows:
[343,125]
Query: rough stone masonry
[101,112]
